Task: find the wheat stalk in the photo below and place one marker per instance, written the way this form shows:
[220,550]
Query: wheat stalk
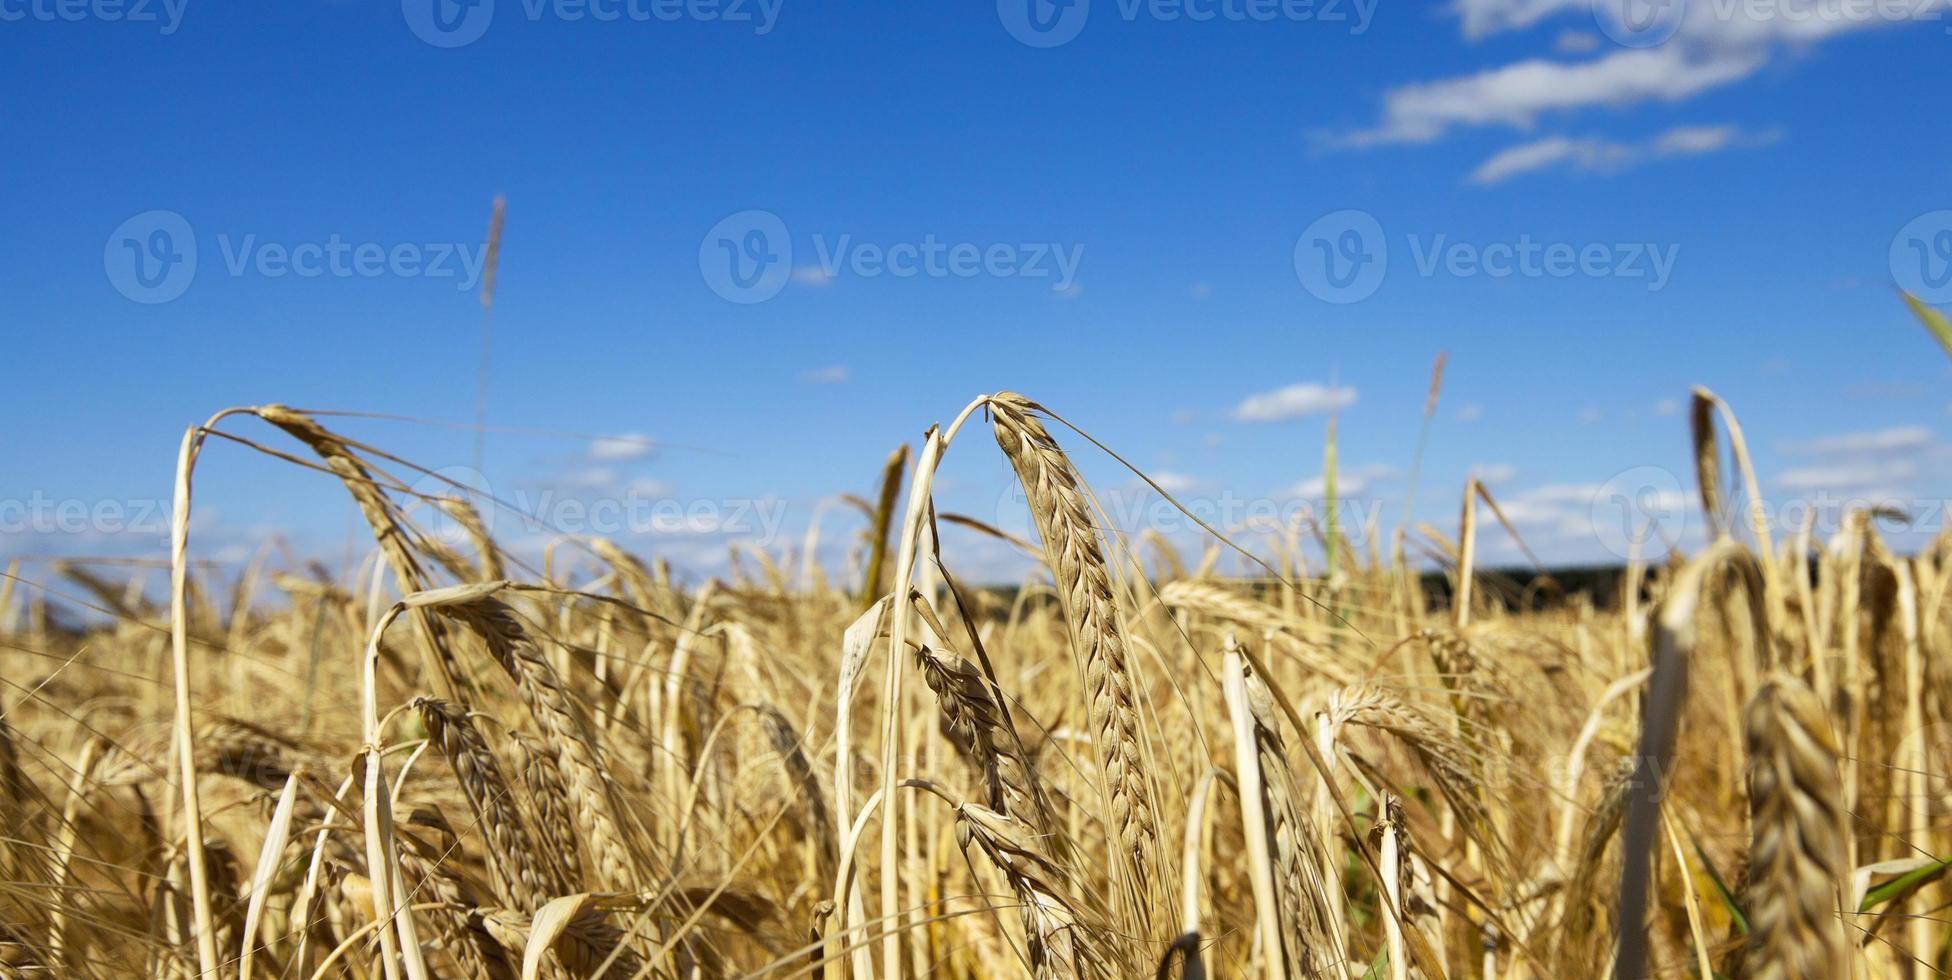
[564,727]
[1796,847]
[520,879]
[554,827]
[1072,548]
[974,724]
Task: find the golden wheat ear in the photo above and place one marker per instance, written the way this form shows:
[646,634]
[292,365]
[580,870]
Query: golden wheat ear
[1073,551]
[1796,844]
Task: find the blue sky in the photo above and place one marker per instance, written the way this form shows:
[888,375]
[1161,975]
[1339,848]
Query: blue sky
[1131,226]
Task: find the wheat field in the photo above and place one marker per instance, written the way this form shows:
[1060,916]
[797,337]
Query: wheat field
[446,761]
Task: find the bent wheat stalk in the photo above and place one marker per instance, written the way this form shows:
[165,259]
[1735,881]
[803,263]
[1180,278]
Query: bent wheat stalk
[1071,545]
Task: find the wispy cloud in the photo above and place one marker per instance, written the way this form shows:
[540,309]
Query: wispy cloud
[1904,438]
[1875,462]
[1516,95]
[629,445]
[1493,474]
[1353,481]
[1294,401]
[1879,475]
[1709,46]
[831,375]
[1177,483]
[1595,155]
[588,478]
[1886,390]
[1706,24]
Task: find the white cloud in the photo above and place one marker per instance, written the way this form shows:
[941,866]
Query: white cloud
[1667,406]
[1316,487]
[831,375]
[1713,44]
[629,445]
[1561,510]
[1580,154]
[1561,494]
[591,478]
[1177,483]
[1714,24]
[1470,413]
[1694,139]
[812,275]
[645,486]
[1904,438]
[1565,512]
[1859,475]
[1594,155]
[1351,481]
[1493,474]
[1591,416]
[1293,402]
[1516,95]
[1871,463]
